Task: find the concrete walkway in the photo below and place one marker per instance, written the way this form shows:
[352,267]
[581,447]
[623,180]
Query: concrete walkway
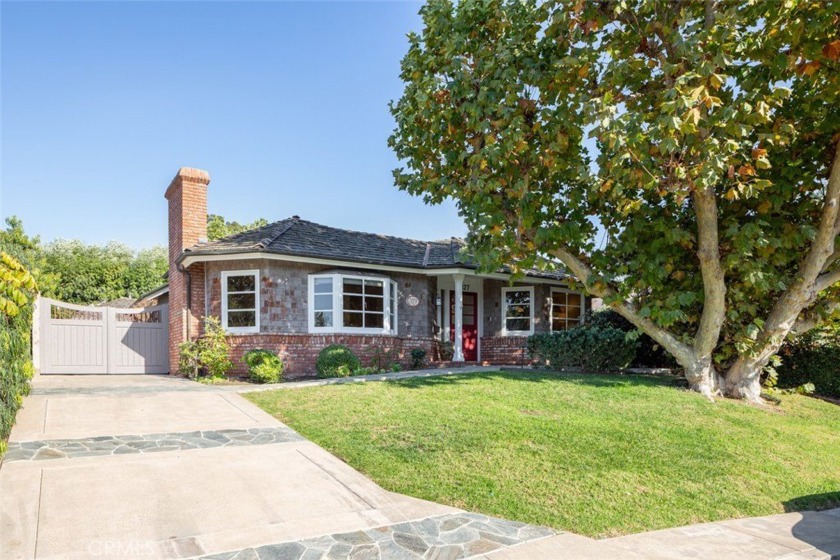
[160,467]
[156,467]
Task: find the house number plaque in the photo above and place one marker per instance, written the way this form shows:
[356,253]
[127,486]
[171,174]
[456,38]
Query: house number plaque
[412,301]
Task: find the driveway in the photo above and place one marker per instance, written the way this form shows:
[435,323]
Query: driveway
[157,467]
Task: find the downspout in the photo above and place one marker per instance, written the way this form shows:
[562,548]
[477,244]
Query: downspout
[182,269]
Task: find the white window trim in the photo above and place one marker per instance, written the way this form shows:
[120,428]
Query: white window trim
[566,291]
[338,305]
[505,331]
[241,330]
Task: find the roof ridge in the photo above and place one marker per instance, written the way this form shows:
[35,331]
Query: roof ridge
[265,242]
[370,233]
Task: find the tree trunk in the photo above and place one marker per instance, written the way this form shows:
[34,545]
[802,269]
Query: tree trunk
[702,377]
[743,381]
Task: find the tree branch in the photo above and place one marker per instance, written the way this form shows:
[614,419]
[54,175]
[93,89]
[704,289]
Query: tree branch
[681,351]
[811,320]
[714,285]
[825,281]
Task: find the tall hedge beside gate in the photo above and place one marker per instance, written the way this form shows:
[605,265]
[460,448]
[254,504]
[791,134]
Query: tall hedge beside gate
[17,299]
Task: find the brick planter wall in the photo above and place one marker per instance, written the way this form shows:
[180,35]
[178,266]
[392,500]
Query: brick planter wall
[302,349]
[504,350]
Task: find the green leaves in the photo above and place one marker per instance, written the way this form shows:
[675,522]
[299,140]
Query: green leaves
[556,125]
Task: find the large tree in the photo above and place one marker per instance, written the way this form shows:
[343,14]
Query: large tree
[679,158]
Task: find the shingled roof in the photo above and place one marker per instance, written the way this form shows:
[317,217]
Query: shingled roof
[296,237]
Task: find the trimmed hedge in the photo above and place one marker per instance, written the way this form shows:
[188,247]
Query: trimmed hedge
[337,360]
[592,348]
[649,353]
[812,358]
[264,366]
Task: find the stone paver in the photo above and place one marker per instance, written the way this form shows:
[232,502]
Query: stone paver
[146,443]
[449,537]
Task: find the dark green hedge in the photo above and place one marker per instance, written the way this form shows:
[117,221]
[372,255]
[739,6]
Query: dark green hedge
[812,358]
[649,353]
[592,348]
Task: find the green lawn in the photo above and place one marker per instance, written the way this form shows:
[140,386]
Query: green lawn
[595,455]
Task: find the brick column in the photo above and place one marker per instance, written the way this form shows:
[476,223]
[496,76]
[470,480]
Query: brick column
[187,197]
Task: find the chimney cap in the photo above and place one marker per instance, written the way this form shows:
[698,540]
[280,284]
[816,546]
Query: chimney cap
[188,175]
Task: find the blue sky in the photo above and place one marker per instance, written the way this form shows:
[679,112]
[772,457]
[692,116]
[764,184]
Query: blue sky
[284,103]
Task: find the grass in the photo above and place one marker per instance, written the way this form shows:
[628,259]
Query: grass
[595,455]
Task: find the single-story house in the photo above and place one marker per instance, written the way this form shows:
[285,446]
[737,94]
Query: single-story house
[295,286]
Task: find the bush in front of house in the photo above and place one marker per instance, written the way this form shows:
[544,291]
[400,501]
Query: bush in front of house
[649,353]
[591,348]
[812,358]
[418,358]
[336,360]
[17,296]
[264,366]
[208,355]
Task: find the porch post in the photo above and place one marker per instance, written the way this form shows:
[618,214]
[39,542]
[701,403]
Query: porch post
[458,355]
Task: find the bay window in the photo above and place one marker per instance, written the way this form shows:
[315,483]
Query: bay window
[352,304]
[240,301]
[518,311]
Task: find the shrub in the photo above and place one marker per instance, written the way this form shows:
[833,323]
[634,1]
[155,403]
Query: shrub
[17,296]
[418,358]
[589,347]
[446,349]
[215,349]
[337,360]
[264,366]
[812,358]
[208,355]
[396,368]
[382,359]
[648,352]
[189,359]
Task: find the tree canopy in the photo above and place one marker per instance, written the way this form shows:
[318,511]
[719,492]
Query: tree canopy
[699,138]
[218,227]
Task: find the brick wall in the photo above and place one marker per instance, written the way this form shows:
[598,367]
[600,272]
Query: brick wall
[301,350]
[187,198]
[504,350]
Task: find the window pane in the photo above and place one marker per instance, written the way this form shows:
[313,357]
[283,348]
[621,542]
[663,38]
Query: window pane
[323,301]
[559,312]
[574,299]
[573,312]
[518,324]
[519,311]
[242,301]
[242,319]
[323,319]
[374,321]
[353,303]
[352,286]
[373,287]
[558,298]
[558,324]
[323,285]
[518,296]
[241,283]
[353,320]
[374,303]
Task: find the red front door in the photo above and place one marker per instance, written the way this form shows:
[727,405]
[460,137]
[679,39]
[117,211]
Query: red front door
[470,328]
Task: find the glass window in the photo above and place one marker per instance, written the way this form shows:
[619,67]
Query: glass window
[240,301]
[341,303]
[518,316]
[323,302]
[566,310]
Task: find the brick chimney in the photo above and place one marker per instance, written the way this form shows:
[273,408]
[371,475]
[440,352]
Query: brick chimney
[187,196]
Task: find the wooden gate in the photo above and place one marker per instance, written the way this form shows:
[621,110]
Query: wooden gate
[88,339]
